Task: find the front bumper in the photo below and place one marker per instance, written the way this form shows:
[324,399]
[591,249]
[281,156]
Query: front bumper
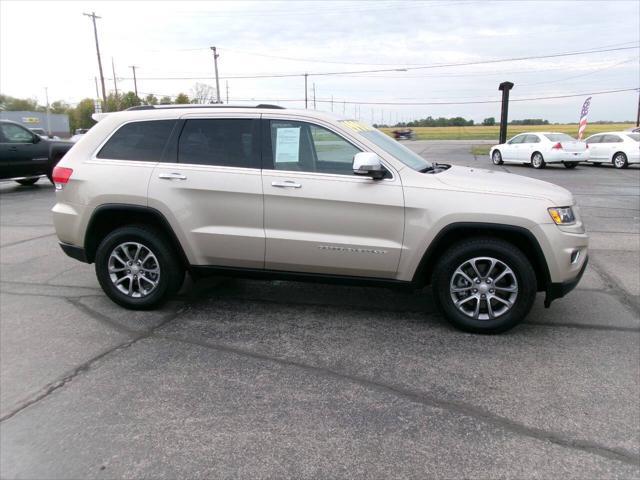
[560,289]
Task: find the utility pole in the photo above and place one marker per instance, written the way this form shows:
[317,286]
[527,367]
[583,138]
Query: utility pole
[306,75]
[227,82]
[95,79]
[95,33]
[46,95]
[135,81]
[638,117]
[215,64]
[115,80]
[314,96]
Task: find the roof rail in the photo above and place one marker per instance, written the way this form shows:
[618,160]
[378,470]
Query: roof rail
[153,107]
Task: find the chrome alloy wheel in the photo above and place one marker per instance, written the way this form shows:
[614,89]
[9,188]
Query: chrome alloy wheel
[484,288]
[134,269]
[537,160]
[619,160]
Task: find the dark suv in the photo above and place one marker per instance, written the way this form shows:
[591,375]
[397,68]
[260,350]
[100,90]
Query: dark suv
[25,156]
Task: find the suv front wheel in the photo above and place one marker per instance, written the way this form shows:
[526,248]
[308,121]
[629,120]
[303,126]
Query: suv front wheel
[484,285]
[137,268]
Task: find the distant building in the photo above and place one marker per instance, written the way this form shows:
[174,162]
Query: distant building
[59,121]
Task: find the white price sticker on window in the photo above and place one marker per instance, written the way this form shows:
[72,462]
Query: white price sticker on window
[287,145]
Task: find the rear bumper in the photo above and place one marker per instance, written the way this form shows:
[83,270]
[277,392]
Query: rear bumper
[74,252]
[561,156]
[560,289]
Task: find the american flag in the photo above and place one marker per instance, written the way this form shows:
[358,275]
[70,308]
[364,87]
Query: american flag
[583,117]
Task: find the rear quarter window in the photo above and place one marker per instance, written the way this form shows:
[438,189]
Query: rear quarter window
[142,141]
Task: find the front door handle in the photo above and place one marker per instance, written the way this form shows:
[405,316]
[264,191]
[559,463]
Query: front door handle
[286,184]
[13,149]
[172,176]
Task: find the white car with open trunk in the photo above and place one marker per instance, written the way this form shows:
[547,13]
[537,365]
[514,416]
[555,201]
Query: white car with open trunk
[540,148]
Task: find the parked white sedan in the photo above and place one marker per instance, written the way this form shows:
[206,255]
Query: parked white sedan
[619,148]
[539,148]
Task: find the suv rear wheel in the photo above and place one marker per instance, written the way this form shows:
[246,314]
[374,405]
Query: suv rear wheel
[137,268]
[484,285]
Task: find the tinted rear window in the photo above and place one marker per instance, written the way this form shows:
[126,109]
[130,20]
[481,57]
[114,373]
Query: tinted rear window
[222,142]
[143,141]
[559,137]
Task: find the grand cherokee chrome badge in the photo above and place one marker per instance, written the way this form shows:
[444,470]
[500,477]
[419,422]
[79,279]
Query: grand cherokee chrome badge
[351,250]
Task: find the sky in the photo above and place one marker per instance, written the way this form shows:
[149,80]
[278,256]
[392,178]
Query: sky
[51,44]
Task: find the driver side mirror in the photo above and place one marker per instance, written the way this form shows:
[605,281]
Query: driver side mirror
[368,164]
[36,138]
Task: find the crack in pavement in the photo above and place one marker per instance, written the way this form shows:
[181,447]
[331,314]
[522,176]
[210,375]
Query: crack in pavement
[85,366]
[558,438]
[13,244]
[614,288]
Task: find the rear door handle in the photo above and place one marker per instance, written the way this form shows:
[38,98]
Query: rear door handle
[286,184]
[172,176]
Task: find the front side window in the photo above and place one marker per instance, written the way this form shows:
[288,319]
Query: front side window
[595,139]
[518,139]
[531,139]
[303,147]
[141,141]
[220,142]
[16,134]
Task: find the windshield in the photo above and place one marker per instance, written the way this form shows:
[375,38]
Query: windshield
[559,137]
[389,145]
[634,136]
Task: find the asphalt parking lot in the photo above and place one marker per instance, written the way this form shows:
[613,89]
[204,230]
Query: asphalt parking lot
[238,378]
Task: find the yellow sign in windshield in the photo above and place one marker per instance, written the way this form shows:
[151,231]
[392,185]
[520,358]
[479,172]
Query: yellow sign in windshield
[356,126]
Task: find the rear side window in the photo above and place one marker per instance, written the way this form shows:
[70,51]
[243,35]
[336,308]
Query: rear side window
[142,141]
[559,137]
[221,142]
[532,139]
[634,136]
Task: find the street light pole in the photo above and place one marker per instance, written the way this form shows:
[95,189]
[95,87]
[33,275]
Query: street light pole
[46,95]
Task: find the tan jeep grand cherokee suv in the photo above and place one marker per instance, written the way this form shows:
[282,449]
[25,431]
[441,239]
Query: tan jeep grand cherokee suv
[152,192]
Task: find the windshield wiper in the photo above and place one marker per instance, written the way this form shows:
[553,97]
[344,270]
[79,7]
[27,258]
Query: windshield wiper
[428,168]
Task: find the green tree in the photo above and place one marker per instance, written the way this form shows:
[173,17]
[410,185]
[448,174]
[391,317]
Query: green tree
[81,115]
[13,104]
[129,99]
[151,99]
[165,100]
[181,99]
[60,106]
[113,103]
[489,122]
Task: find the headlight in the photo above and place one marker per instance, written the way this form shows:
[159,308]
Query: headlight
[562,215]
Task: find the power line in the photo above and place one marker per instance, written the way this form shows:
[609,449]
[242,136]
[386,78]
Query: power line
[474,102]
[424,67]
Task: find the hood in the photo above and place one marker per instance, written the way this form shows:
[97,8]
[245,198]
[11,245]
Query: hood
[489,181]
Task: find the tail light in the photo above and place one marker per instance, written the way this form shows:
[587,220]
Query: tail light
[61,176]
[557,146]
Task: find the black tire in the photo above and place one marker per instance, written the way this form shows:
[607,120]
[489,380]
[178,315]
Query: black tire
[171,274]
[497,249]
[28,181]
[496,158]
[620,160]
[570,164]
[537,160]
